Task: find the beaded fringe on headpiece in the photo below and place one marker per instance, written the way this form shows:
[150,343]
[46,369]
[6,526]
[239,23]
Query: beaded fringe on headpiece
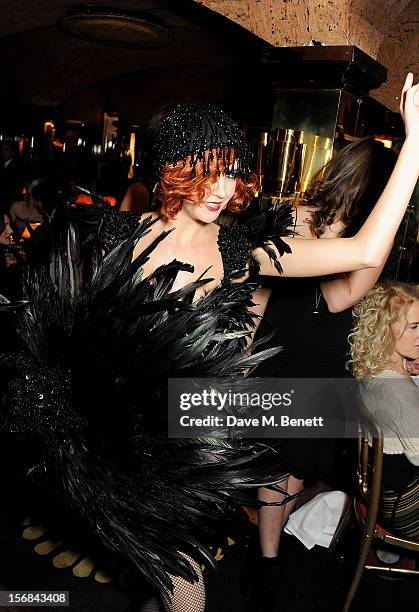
[200,132]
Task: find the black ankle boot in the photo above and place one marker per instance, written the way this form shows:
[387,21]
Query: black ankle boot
[265,591]
[249,571]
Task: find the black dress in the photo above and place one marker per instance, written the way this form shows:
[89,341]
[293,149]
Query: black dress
[315,345]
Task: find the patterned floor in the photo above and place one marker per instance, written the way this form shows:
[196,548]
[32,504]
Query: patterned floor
[311,581]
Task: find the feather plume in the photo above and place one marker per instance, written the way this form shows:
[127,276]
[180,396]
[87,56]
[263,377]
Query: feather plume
[91,388]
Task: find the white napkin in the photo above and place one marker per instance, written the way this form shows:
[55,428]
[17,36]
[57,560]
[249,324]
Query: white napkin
[316,521]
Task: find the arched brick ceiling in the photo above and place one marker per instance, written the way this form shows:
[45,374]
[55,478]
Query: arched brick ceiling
[369,22]
[388,30]
[46,66]
[400,52]
[295,22]
[378,12]
[286,22]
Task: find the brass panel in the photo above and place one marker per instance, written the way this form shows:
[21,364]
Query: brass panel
[283,162]
[317,152]
[313,113]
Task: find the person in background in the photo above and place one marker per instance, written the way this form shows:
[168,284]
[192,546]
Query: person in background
[314,316]
[10,177]
[39,204]
[384,342]
[136,198]
[139,195]
[8,283]
[6,232]
[125,159]
[27,210]
[11,254]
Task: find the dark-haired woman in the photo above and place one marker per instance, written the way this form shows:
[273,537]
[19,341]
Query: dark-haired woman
[312,318]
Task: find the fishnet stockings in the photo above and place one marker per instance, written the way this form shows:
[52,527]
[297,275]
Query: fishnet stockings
[187,596]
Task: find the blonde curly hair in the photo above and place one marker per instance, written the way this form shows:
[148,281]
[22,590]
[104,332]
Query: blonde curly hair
[372,339]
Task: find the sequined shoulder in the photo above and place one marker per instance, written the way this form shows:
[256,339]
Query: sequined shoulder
[234,247]
[116,227]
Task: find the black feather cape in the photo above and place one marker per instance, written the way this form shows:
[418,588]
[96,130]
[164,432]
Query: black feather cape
[89,389]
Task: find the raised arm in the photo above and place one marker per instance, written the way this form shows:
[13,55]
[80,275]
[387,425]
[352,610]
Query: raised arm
[346,289]
[343,290]
[370,246]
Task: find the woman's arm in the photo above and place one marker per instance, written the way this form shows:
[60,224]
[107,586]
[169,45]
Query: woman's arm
[370,246]
[346,289]
[343,290]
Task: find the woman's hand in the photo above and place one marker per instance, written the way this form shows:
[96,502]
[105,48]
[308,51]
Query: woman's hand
[409,106]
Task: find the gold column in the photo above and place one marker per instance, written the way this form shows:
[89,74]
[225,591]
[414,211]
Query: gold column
[283,163]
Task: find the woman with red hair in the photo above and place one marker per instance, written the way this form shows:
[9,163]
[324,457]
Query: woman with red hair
[101,346]
[201,169]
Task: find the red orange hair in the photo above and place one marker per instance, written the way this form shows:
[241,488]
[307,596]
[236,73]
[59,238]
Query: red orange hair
[183,182]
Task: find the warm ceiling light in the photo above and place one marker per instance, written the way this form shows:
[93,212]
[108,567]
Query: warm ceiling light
[114,27]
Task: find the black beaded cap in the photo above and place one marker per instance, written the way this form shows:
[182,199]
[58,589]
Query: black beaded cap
[191,129]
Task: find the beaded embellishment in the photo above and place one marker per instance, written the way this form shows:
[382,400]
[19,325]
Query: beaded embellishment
[116,227]
[234,248]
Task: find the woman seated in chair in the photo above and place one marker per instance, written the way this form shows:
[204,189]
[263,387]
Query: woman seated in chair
[384,343]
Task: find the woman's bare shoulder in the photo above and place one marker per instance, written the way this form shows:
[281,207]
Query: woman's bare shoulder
[302,216]
[305,211]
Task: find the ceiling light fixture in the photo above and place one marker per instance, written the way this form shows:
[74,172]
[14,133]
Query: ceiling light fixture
[114,27]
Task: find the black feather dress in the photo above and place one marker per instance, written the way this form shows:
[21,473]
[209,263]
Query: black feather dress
[88,389]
